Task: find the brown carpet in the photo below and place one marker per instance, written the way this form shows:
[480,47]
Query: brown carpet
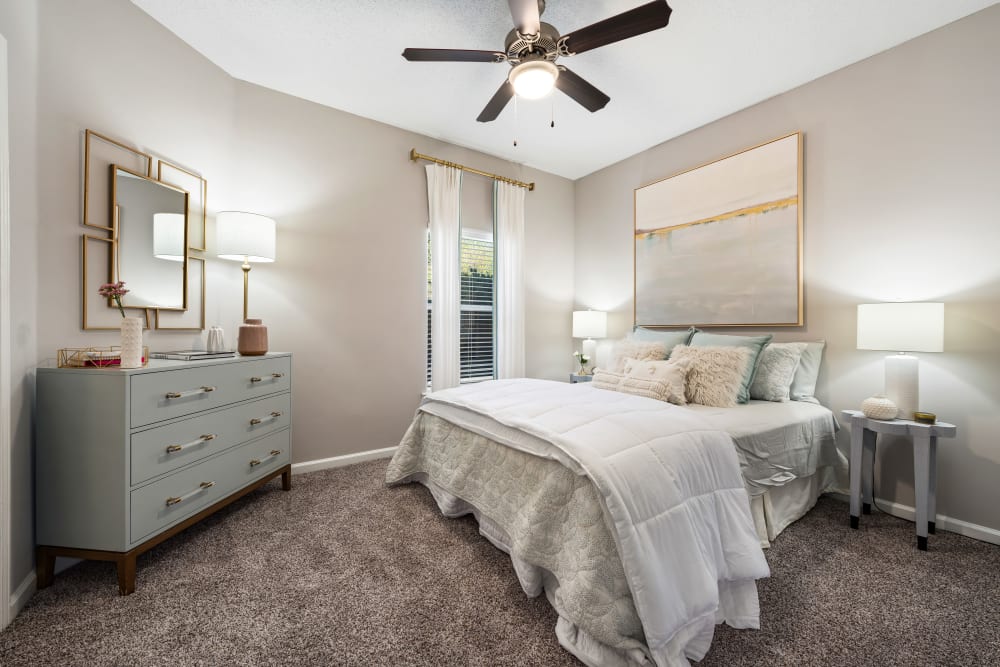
[342,571]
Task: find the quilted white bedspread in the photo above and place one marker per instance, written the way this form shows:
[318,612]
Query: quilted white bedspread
[672,490]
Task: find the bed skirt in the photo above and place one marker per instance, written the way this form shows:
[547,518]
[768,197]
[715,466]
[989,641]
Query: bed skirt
[780,506]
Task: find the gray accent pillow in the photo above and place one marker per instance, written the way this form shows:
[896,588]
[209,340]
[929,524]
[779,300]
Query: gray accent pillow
[775,371]
[755,343]
[804,383]
[668,338]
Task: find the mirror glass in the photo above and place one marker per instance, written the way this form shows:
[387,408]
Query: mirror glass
[150,232]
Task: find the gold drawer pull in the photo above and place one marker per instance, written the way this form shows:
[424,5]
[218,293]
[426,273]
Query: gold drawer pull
[260,420]
[257,462]
[190,392]
[173,449]
[274,376]
[179,499]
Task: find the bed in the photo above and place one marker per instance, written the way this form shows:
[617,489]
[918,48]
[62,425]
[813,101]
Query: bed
[630,514]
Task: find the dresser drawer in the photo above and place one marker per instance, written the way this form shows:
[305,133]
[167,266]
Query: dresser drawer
[175,393]
[165,448]
[188,491]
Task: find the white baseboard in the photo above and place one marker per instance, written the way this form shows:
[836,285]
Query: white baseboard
[973,530]
[345,460]
[20,597]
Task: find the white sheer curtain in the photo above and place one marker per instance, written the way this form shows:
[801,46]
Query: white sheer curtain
[508,240]
[444,200]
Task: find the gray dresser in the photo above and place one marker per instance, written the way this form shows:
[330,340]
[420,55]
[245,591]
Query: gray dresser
[128,458]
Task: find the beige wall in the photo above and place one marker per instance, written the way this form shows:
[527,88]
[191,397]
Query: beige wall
[902,157]
[346,294]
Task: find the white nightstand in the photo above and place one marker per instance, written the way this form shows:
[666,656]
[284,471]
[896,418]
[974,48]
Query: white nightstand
[924,437]
[574,378]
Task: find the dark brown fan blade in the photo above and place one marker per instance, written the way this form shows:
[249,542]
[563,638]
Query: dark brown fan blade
[496,103]
[634,22]
[454,55]
[525,15]
[573,85]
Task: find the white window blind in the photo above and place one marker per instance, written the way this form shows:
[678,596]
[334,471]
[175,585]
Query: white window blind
[476,349]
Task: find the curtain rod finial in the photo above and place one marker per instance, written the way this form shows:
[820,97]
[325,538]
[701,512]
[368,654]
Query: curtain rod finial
[413,154]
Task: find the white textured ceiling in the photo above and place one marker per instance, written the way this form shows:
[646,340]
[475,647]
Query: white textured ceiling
[716,57]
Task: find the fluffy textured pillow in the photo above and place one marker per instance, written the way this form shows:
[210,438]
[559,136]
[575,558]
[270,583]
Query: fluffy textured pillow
[635,349]
[668,338]
[606,380]
[715,374]
[804,383]
[665,378]
[775,371]
[754,343]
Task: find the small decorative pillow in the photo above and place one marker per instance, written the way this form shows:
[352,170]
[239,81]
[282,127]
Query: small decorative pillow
[635,349]
[775,371]
[651,389]
[669,374]
[715,374]
[606,380]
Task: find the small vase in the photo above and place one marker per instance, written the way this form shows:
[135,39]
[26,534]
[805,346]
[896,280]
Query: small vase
[252,338]
[131,342]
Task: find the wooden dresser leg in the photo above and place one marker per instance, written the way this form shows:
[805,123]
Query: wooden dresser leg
[286,480]
[45,564]
[126,574]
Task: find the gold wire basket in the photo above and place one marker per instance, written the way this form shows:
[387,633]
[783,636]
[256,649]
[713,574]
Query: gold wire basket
[95,357]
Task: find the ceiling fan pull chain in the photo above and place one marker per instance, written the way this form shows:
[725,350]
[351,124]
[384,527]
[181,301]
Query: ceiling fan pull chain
[552,100]
[515,121]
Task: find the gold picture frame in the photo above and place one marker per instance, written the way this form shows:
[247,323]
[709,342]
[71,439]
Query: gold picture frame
[100,151]
[720,244]
[112,321]
[197,188]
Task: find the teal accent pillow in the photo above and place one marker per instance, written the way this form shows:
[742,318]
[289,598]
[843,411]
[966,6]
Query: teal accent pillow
[804,383]
[670,339]
[755,343]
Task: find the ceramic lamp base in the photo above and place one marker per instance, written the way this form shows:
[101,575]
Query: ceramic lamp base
[902,383]
[589,351]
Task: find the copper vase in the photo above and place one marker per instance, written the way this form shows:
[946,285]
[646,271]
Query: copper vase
[252,338]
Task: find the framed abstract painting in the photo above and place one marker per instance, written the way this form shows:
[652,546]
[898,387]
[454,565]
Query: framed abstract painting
[721,244]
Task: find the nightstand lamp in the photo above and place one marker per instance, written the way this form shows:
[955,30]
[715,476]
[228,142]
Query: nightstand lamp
[245,237]
[590,324]
[902,327]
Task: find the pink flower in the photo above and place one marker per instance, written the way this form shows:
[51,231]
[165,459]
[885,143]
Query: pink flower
[114,291]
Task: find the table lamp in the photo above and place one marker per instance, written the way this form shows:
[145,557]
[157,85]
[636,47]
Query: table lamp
[245,237]
[902,327]
[590,324]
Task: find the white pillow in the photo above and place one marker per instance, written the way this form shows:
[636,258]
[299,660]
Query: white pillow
[775,371]
[606,379]
[670,375]
[627,348]
[715,374]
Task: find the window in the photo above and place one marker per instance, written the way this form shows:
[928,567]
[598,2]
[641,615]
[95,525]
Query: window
[476,331]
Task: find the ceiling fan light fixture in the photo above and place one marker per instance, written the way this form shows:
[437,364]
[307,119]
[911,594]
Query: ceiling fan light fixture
[533,79]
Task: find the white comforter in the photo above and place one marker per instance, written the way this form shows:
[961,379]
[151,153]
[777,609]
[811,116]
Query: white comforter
[672,489]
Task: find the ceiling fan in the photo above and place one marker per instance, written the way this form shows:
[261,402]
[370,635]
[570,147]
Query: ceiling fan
[532,48]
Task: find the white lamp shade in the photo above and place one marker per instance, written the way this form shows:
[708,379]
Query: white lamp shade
[901,327]
[168,236]
[240,236]
[590,324]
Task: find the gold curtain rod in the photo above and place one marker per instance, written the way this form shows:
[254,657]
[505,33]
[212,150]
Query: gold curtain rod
[414,155]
